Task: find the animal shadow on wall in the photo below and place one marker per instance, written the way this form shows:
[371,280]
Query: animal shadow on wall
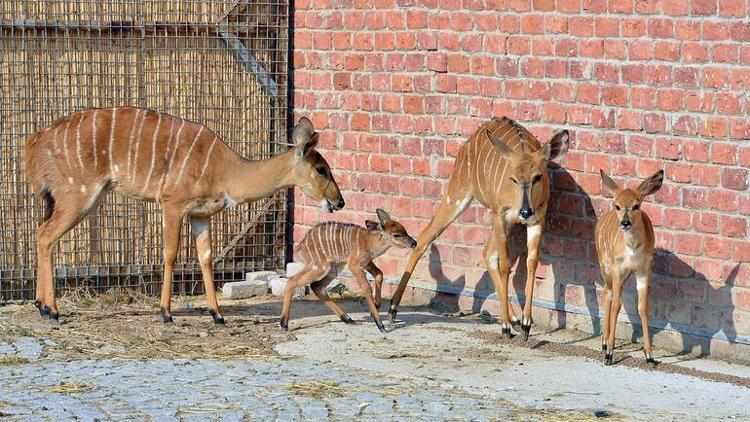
[683,296]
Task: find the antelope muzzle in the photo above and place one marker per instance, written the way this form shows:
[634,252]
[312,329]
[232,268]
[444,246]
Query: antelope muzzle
[525,212]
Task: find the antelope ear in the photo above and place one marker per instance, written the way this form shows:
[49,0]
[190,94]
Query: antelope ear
[652,184]
[306,147]
[609,185]
[556,146]
[302,131]
[383,217]
[499,145]
[371,225]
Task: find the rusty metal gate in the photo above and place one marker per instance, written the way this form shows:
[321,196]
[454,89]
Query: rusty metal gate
[221,63]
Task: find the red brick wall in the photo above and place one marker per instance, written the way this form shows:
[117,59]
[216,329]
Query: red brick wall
[395,86]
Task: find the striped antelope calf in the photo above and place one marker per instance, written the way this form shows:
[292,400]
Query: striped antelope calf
[328,247]
[625,245]
[504,167]
[153,156]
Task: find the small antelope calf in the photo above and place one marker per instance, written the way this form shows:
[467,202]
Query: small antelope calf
[328,247]
[625,245]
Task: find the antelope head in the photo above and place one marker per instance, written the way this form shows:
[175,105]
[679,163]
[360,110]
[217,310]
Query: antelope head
[394,232]
[311,172]
[628,201]
[528,173]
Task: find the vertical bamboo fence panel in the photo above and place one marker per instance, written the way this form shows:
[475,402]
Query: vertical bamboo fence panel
[221,63]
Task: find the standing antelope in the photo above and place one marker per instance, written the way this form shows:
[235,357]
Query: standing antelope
[504,167]
[625,245]
[328,247]
[153,156]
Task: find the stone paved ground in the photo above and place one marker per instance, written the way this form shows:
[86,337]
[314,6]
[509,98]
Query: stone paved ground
[430,368]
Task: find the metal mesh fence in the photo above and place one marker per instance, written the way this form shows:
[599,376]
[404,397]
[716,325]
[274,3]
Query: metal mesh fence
[221,63]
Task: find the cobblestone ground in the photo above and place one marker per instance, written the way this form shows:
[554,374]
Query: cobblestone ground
[234,390]
[430,367]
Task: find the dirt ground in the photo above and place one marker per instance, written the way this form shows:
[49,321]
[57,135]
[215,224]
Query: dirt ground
[556,375]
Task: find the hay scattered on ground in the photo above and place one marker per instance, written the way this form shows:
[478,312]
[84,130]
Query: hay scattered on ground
[317,389]
[71,388]
[12,360]
[125,324]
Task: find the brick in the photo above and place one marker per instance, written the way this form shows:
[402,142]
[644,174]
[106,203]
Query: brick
[734,178]
[733,226]
[723,153]
[734,8]
[245,289]
[703,7]
[675,7]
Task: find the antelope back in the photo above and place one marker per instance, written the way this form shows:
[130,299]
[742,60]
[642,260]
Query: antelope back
[332,242]
[137,151]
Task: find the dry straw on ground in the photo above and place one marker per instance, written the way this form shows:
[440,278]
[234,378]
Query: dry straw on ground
[123,324]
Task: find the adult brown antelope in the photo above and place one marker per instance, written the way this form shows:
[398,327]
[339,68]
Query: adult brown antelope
[625,245]
[328,247]
[182,165]
[504,167]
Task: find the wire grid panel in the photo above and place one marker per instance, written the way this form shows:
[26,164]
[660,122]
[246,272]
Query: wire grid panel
[221,63]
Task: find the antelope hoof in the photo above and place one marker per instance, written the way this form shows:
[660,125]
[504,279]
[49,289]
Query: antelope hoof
[347,319]
[53,316]
[608,359]
[604,348]
[167,318]
[526,330]
[652,361]
[392,314]
[507,333]
[43,310]
[218,319]
[284,324]
[380,325]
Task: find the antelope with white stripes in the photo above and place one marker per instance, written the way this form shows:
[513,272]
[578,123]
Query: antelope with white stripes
[625,245]
[329,247]
[504,167]
[182,165]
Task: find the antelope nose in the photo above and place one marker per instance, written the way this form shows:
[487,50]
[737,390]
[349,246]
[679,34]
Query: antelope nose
[412,243]
[625,224]
[341,203]
[526,213]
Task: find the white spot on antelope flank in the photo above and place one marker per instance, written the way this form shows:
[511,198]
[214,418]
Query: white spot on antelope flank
[83,188]
[493,261]
[70,180]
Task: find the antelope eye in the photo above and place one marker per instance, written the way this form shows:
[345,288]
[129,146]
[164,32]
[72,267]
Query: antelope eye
[396,235]
[617,207]
[537,178]
[636,207]
[321,170]
[514,180]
